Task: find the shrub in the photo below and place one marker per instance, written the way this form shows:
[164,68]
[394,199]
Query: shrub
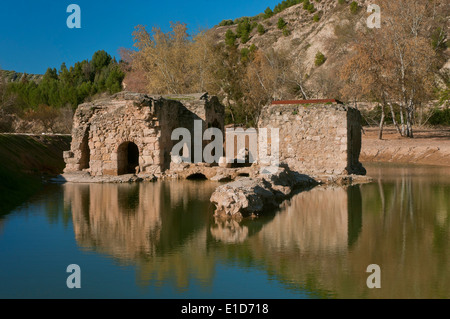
[438,39]
[230,38]
[226,23]
[354,7]
[320,59]
[286,32]
[245,36]
[281,23]
[342,1]
[316,18]
[440,117]
[306,4]
[243,27]
[261,29]
[244,54]
[243,30]
[285,4]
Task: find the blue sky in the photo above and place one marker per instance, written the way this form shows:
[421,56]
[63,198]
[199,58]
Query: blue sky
[34,34]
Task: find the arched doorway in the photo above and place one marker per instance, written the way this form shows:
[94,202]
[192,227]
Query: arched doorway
[127,158]
[197,177]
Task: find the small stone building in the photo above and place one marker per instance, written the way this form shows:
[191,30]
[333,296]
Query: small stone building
[316,137]
[131,132]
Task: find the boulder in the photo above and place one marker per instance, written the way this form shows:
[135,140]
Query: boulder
[243,197]
[250,196]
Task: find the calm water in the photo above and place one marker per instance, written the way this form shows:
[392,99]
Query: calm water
[161,241]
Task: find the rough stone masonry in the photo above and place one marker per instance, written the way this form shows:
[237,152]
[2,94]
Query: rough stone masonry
[130,133]
[317,139]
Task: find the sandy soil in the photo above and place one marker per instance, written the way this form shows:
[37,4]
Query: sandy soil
[429,147]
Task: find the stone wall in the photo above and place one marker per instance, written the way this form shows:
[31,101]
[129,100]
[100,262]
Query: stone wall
[131,132]
[317,139]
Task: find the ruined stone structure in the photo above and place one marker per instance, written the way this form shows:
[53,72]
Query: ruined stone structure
[317,139]
[130,132]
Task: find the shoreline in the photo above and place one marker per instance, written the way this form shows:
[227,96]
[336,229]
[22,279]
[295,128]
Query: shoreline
[430,147]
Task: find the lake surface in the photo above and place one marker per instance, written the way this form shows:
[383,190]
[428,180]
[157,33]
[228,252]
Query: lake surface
[161,241]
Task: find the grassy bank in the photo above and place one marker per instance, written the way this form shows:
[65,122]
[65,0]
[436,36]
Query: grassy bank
[23,161]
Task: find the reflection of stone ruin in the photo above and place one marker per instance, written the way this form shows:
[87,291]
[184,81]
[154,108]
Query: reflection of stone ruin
[319,221]
[129,221]
[134,224]
[131,132]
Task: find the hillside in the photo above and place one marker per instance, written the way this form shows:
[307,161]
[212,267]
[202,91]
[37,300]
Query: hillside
[13,76]
[328,29]
[24,158]
[306,36]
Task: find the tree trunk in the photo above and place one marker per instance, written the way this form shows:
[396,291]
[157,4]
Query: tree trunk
[383,115]
[409,119]
[402,120]
[231,113]
[394,120]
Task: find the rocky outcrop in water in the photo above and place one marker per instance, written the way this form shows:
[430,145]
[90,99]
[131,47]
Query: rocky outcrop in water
[250,196]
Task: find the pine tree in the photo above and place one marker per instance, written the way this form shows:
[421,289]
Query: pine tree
[281,23]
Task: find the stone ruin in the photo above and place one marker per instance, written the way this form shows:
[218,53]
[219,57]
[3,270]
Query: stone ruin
[130,133]
[322,141]
[317,138]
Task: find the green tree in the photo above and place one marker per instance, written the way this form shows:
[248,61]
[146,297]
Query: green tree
[114,79]
[230,38]
[281,24]
[268,13]
[261,29]
[243,30]
[100,59]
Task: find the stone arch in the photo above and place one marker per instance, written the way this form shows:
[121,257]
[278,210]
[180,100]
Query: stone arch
[197,177]
[127,158]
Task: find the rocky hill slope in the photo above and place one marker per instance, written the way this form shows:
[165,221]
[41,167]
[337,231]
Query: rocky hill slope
[13,76]
[327,28]
[306,36]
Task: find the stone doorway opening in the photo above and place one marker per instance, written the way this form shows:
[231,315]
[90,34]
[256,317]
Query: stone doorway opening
[127,158]
[85,151]
[197,177]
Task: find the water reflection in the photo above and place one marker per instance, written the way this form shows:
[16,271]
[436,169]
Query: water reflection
[321,240]
[156,226]
[320,221]
[229,231]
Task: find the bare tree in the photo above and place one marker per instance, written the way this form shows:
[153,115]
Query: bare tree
[298,78]
[394,64]
[265,80]
[45,115]
[162,56]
